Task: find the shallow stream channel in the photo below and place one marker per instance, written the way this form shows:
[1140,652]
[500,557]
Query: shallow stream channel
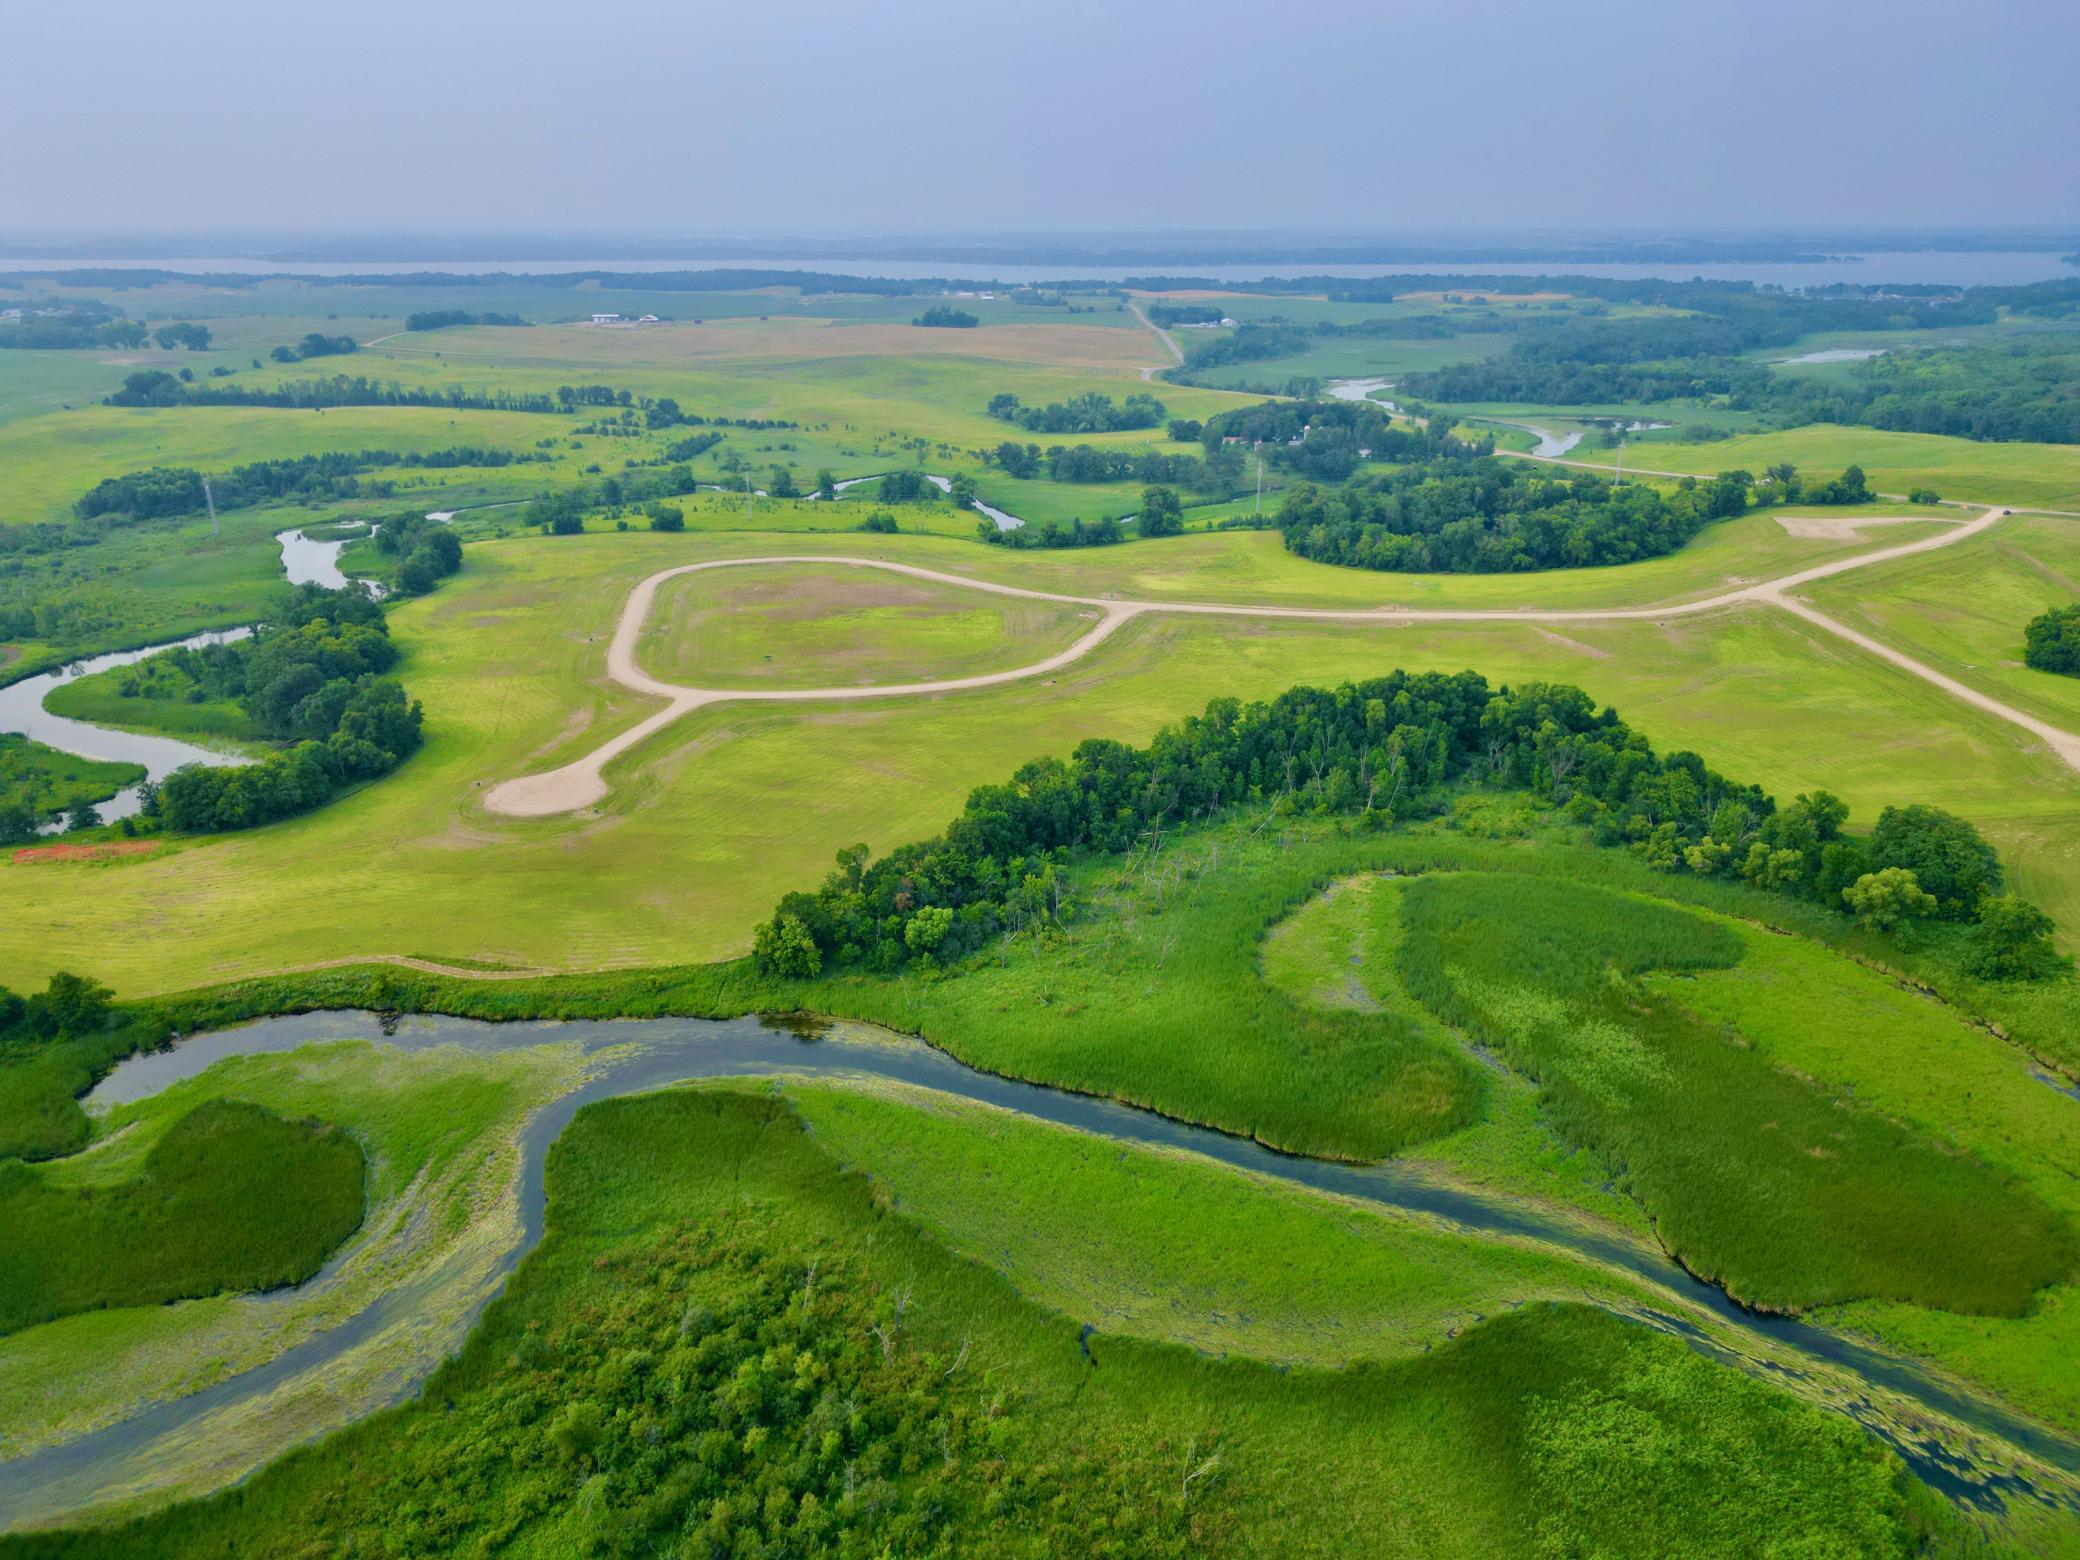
[1974,1450]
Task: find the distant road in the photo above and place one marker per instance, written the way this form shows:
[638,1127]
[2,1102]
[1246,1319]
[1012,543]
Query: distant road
[1169,341]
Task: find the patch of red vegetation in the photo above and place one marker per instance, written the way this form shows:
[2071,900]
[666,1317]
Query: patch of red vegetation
[85,852]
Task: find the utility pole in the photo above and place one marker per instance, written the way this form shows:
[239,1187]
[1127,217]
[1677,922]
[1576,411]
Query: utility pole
[1257,449]
[1621,459]
[210,499]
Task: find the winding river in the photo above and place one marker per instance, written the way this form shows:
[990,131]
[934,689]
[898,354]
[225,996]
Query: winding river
[305,561]
[1943,1430]
[21,709]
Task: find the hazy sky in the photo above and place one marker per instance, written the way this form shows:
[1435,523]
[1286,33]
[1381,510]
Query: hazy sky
[917,115]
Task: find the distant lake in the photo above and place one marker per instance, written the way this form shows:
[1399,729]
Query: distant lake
[1963,268]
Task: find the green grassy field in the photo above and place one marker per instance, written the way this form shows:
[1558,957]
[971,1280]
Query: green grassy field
[705,821]
[34,383]
[1965,616]
[1327,1283]
[2032,476]
[52,782]
[809,627]
[1552,1419]
[1817,1116]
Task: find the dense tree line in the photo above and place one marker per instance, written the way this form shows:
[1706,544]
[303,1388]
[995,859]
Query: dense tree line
[1091,413]
[2051,642]
[441,319]
[942,317]
[155,387]
[1052,533]
[692,446]
[1325,440]
[1489,516]
[177,490]
[1568,383]
[313,678]
[428,551]
[2015,390]
[1385,749]
[73,326]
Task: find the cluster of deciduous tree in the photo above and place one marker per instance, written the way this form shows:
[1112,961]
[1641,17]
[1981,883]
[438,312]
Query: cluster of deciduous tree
[945,318]
[1089,413]
[562,512]
[2051,642]
[1110,463]
[1248,343]
[1385,749]
[313,678]
[1783,484]
[316,344]
[1325,440]
[68,1006]
[177,490]
[1489,516]
[1102,532]
[441,319]
[429,551]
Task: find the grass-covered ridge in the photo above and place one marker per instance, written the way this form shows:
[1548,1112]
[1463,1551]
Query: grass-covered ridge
[721,1324]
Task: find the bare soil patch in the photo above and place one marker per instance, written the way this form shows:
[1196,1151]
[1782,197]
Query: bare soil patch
[102,852]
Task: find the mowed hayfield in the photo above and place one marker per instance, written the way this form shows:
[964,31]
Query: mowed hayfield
[821,626]
[709,822]
[2027,476]
[900,380]
[1964,614]
[684,344]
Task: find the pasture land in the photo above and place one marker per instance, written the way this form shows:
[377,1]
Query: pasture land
[52,460]
[804,626]
[709,819]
